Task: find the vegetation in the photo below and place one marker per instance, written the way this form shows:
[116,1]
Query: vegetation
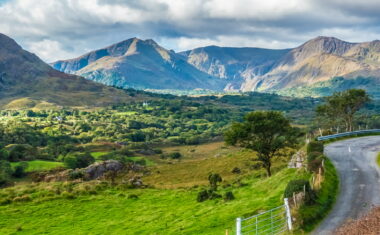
[342,106]
[263,132]
[123,210]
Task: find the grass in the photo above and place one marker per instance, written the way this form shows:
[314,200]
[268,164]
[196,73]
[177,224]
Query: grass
[97,155]
[378,159]
[156,211]
[39,165]
[326,196]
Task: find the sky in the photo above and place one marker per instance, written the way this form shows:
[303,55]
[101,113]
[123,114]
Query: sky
[63,29]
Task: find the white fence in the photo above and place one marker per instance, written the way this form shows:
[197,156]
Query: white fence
[275,221]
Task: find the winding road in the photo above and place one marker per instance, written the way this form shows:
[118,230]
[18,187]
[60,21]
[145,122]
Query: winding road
[355,161]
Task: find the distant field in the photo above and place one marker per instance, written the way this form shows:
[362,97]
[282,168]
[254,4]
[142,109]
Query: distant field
[156,211]
[39,165]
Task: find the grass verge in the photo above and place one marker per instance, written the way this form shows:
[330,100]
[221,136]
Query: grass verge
[312,215]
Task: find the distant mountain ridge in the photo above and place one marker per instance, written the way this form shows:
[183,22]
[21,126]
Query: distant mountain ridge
[27,81]
[139,64]
[309,69]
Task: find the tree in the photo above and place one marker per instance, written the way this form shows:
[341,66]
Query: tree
[214,179]
[265,132]
[78,160]
[342,106]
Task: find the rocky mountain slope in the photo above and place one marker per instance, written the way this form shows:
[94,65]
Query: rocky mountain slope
[25,80]
[139,64]
[317,67]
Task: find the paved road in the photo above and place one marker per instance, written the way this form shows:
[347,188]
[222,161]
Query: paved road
[355,160]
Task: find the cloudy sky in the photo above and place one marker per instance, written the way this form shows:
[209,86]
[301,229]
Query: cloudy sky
[61,29]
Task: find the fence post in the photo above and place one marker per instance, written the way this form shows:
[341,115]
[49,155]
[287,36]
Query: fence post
[288,215]
[238,226]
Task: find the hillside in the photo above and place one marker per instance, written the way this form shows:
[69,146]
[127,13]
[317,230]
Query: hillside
[140,64]
[313,65]
[27,82]
[234,65]
[316,68]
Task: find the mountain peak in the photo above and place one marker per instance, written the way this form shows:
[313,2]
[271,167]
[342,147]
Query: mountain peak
[8,43]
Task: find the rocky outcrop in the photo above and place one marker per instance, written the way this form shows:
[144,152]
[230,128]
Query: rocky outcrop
[98,169]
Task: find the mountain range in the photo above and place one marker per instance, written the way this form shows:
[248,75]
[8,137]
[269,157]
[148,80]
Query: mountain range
[318,67]
[28,82]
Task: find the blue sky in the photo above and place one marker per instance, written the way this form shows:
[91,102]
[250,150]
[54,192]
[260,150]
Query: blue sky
[61,29]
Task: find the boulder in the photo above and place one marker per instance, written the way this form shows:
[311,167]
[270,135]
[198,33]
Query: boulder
[98,169]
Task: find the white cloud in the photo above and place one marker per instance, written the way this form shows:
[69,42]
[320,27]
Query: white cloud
[63,28]
[49,50]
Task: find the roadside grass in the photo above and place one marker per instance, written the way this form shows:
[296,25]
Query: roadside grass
[378,159]
[95,208]
[311,216]
[39,165]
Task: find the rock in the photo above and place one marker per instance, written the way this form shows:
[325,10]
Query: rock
[98,169]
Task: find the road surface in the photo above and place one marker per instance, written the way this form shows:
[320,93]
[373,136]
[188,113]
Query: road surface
[355,161]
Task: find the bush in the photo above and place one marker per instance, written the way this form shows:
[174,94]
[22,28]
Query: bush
[19,170]
[202,196]
[76,174]
[236,170]
[296,186]
[174,155]
[315,146]
[228,196]
[78,160]
[133,196]
[314,165]
[313,155]
[207,195]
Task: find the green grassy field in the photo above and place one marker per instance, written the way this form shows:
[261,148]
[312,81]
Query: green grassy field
[156,211]
[39,165]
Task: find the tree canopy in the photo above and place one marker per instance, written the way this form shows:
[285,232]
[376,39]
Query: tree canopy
[265,132]
[342,106]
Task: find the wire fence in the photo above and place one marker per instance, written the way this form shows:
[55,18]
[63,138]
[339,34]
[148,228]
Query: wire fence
[274,221]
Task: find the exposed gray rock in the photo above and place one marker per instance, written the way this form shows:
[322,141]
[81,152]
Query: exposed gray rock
[98,169]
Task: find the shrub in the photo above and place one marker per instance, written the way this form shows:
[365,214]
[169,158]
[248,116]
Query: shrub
[236,170]
[315,146]
[76,174]
[207,195]
[19,170]
[78,160]
[314,165]
[313,155]
[133,196]
[157,151]
[174,155]
[296,186]
[202,196]
[228,196]
[68,195]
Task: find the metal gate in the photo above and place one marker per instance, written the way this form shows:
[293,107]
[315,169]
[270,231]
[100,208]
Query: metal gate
[274,221]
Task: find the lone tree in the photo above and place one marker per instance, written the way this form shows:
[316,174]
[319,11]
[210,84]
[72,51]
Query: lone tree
[342,106]
[214,179]
[265,132]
